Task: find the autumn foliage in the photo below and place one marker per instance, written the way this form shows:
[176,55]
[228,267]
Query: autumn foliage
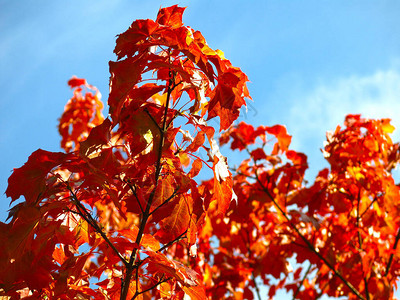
[126,212]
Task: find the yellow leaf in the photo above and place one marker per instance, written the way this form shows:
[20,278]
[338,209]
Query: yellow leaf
[387,127]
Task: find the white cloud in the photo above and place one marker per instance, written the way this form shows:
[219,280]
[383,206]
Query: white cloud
[374,96]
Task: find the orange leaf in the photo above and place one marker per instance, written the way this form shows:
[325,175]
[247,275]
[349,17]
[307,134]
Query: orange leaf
[195,292]
[196,167]
[170,16]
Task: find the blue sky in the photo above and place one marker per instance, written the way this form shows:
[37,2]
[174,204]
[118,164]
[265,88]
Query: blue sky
[309,62]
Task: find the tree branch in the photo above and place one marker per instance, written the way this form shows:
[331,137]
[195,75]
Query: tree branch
[253,278]
[92,222]
[166,201]
[360,241]
[162,280]
[305,240]
[131,265]
[135,194]
[178,238]
[391,255]
[302,281]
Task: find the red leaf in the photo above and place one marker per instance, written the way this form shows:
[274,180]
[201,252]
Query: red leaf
[197,142]
[30,179]
[129,41]
[144,92]
[298,158]
[75,82]
[81,113]
[98,137]
[195,292]
[258,154]
[177,222]
[124,76]
[243,135]
[160,263]
[225,104]
[280,133]
[196,167]
[223,193]
[171,16]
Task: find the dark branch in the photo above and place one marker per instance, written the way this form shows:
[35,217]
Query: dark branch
[305,240]
[178,238]
[391,255]
[302,282]
[82,211]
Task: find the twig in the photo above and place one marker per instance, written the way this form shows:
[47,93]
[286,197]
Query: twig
[302,281]
[162,280]
[178,238]
[256,286]
[305,240]
[136,196]
[92,222]
[166,201]
[360,241]
[366,210]
[391,255]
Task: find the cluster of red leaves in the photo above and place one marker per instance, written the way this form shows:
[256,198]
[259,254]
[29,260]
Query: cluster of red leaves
[119,215]
[81,114]
[337,237]
[121,204]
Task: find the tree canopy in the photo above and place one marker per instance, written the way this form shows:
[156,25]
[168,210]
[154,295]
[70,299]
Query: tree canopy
[125,212]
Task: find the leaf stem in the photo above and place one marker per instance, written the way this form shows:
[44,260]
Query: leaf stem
[253,278]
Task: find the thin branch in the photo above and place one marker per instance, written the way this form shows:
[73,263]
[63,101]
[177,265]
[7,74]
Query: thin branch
[92,222]
[166,201]
[131,265]
[360,241]
[302,281]
[391,255]
[366,210]
[136,196]
[178,238]
[162,280]
[253,278]
[305,240]
[154,121]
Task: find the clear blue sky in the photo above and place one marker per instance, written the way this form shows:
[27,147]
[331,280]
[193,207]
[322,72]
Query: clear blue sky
[309,62]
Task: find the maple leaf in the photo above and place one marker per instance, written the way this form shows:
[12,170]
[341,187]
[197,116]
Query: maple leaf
[158,262]
[124,76]
[177,222]
[171,16]
[98,137]
[128,42]
[30,179]
[226,103]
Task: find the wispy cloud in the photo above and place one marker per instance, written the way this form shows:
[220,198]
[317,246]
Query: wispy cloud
[374,96]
